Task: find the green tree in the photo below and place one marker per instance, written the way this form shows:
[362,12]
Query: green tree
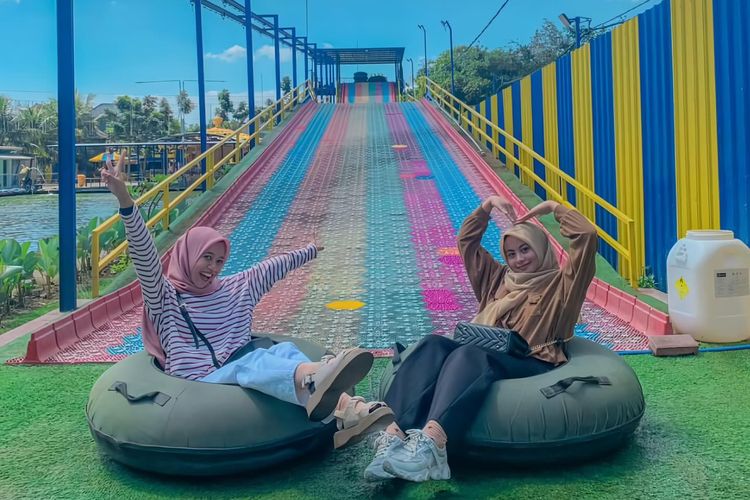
[226,108]
[34,128]
[549,43]
[84,105]
[6,115]
[184,107]
[286,85]
[480,71]
[138,120]
[241,111]
[171,125]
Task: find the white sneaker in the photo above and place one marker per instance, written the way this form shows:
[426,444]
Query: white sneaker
[419,459]
[382,443]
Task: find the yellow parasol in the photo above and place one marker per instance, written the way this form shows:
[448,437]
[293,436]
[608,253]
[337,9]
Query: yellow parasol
[100,158]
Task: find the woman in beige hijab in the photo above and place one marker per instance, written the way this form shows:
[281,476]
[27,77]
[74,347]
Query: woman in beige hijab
[442,384]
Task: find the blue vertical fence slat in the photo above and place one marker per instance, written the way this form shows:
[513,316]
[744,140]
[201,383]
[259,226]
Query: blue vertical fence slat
[732,60]
[537,120]
[515,89]
[602,102]
[501,123]
[657,118]
[565,120]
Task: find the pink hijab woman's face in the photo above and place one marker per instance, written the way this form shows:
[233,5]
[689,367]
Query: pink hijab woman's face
[209,265]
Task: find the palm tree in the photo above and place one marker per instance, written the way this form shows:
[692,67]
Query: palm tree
[184,107]
[5,118]
[36,127]
[84,120]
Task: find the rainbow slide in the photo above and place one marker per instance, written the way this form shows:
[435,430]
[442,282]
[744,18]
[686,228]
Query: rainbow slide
[367,92]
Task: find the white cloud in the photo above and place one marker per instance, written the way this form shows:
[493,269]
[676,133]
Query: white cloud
[232,54]
[327,45]
[267,51]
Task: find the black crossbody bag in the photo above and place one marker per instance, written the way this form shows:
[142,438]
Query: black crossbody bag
[498,340]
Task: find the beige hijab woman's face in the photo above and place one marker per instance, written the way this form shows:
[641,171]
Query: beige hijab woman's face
[520,256]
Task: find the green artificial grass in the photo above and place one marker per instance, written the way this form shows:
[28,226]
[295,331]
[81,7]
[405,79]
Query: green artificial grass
[691,443]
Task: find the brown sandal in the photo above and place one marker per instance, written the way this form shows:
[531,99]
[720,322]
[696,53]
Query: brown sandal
[336,375]
[360,418]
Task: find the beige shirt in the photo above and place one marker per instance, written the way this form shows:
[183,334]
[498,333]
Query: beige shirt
[548,313]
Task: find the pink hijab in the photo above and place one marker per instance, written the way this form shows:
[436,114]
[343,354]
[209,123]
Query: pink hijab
[186,252]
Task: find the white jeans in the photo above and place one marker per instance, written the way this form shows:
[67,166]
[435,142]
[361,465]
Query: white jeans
[270,371]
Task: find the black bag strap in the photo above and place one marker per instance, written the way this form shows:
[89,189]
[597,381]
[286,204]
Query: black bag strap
[562,385]
[253,344]
[157,397]
[398,348]
[197,335]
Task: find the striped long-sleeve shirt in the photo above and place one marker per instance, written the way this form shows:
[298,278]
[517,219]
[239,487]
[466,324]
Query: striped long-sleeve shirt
[225,317]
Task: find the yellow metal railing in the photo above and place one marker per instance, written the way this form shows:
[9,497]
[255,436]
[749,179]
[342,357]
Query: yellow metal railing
[242,144]
[556,181]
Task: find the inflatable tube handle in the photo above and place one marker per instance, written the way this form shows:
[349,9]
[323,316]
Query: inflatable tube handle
[398,348]
[562,385]
[157,397]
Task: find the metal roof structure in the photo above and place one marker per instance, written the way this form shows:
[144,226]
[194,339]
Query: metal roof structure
[371,55]
[235,11]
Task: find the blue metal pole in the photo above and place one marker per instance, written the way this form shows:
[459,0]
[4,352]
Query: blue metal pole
[294,58]
[250,68]
[314,65]
[424,31]
[577,19]
[307,77]
[277,58]
[201,83]
[66,164]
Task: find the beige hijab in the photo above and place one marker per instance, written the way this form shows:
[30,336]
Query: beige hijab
[519,285]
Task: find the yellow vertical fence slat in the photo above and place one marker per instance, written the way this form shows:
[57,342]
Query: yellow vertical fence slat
[551,144]
[527,129]
[583,137]
[477,124]
[628,139]
[508,117]
[696,149]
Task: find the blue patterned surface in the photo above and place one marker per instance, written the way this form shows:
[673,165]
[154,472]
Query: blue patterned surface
[253,236]
[130,344]
[456,192]
[395,310]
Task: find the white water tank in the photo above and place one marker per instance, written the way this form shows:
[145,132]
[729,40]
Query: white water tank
[708,280]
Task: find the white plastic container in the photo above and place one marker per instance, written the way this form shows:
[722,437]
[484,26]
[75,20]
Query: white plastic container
[708,275]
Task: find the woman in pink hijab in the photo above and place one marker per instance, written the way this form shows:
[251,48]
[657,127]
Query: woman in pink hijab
[195,323]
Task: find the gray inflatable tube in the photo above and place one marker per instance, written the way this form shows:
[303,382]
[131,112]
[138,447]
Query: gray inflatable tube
[585,408]
[143,418]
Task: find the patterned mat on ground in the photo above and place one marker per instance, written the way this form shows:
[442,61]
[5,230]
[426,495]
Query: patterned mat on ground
[384,190]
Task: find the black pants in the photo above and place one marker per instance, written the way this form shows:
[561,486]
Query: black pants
[445,381]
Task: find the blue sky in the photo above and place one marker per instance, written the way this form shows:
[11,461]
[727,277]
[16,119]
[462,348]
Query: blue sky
[119,42]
